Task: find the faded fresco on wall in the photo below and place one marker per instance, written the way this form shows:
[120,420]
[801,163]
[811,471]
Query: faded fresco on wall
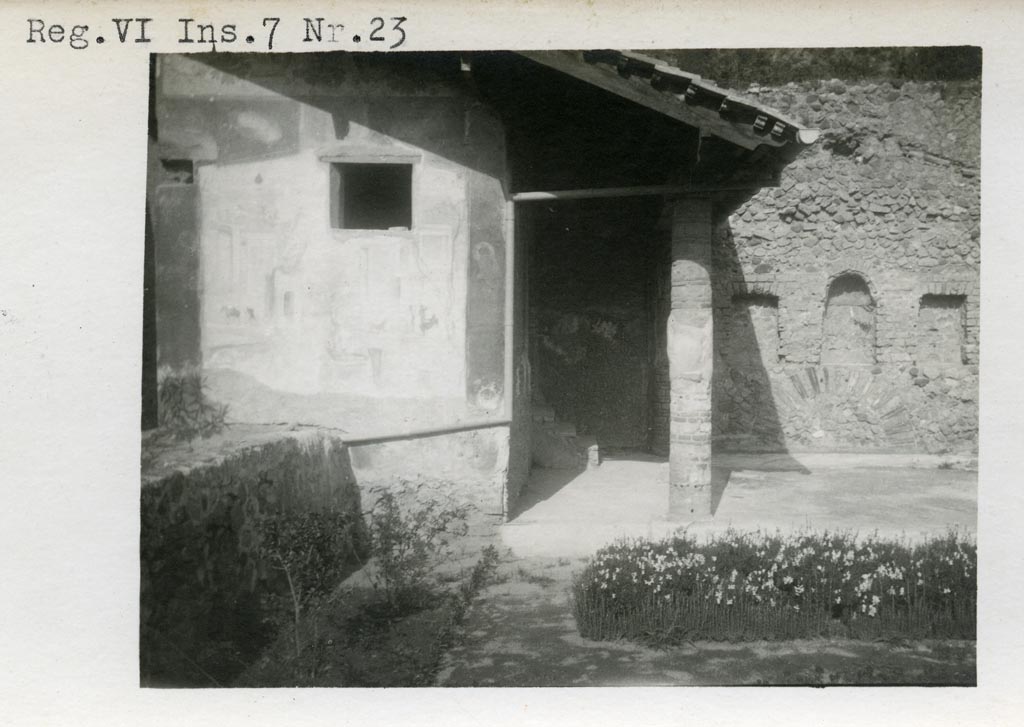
[306,310]
[305,321]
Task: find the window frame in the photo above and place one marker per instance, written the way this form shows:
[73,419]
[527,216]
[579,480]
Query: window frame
[336,160]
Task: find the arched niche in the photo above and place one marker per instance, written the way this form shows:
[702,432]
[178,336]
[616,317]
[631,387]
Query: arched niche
[848,333]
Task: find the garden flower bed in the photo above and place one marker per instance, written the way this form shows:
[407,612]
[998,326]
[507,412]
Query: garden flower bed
[758,586]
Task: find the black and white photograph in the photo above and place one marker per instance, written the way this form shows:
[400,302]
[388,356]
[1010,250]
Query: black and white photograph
[539,367]
[561,368]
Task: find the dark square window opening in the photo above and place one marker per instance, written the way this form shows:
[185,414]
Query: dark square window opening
[371,196]
[177,171]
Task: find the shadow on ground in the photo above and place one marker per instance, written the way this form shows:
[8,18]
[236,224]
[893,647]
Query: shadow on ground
[570,514]
[544,484]
[521,633]
[723,466]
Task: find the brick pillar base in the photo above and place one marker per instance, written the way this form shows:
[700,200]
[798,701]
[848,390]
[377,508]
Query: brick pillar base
[690,354]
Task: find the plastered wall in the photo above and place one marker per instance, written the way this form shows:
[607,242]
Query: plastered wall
[363,330]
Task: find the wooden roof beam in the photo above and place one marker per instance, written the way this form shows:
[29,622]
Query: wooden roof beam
[657,86]
[643,94]
[657,190]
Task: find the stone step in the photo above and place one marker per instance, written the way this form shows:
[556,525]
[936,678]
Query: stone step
[542,413]
[563,429]
[588,445]
[553,450]
[557,444]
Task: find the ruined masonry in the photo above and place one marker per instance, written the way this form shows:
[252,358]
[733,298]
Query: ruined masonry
[457,261]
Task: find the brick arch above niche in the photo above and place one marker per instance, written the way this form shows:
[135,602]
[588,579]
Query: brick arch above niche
[843,407]
[849,269]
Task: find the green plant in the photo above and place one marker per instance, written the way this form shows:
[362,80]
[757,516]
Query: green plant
[522,574]
[745,586]
[409,532]
[482,573]
[312,549]
[205,585]
[185,411]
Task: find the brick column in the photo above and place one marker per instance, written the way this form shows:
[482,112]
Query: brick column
[690,361]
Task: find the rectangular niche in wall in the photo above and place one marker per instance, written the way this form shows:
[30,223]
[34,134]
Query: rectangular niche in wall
[371,196]
[752,330]
[848,331]
[940,329]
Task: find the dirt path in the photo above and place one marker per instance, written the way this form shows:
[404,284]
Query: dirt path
[520,632]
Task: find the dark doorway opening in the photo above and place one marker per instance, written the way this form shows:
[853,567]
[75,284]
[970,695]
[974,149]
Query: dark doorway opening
[593,288]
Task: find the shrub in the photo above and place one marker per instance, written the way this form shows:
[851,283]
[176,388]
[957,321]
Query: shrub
[408,533]
[185,411]
[312,549]
[365,640]
[204,582]
[749,586]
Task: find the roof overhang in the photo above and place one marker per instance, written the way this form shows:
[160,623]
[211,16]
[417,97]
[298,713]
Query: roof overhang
[682,96]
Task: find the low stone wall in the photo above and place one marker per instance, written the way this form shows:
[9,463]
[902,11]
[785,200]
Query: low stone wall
[470,467]
[202,578]
[201,575]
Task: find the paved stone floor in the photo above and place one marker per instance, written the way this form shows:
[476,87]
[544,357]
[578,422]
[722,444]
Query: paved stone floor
[571,514]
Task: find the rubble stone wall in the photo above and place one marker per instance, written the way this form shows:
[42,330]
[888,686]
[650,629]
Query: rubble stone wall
[847,298]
